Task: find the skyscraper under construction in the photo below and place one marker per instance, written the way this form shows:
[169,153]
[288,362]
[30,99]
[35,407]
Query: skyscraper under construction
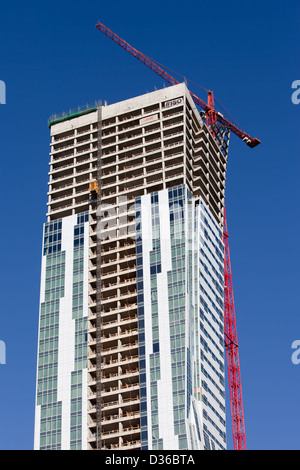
[131,328]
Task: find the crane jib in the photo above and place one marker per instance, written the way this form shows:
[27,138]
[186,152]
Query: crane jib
[251,142]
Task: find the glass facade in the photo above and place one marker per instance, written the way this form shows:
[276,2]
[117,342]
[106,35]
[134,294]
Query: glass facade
[51,418]
[80,359]
[62,349]
[180,308]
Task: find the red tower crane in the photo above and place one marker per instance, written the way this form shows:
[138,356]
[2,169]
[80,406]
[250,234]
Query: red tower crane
[215,121]
[231,345]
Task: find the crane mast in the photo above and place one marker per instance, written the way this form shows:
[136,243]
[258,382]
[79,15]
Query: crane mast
[231,345]
[213,119]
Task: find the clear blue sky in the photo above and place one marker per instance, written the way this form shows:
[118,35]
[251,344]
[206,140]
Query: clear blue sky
[52,59]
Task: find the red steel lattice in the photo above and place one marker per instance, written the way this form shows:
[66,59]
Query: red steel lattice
[231,345]
[230,330]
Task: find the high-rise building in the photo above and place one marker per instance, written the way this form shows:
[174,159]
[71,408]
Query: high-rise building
[131,336]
